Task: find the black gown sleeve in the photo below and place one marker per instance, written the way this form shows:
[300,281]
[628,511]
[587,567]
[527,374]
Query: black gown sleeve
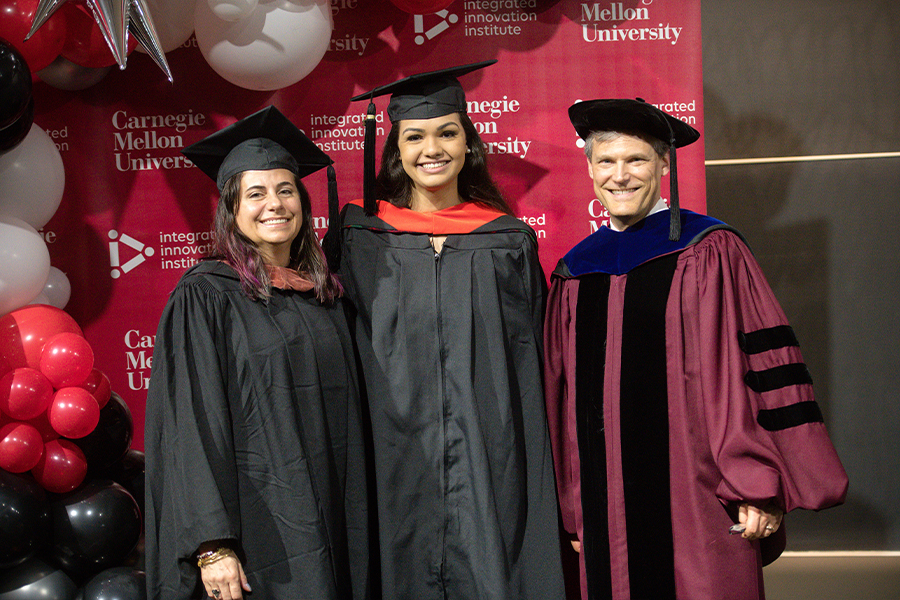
[189,448]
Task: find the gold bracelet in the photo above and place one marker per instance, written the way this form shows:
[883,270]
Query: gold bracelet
[207,558]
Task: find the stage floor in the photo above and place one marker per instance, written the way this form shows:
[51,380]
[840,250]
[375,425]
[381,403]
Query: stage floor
[834,576]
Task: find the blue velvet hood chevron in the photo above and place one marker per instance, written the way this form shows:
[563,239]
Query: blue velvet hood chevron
[618,252]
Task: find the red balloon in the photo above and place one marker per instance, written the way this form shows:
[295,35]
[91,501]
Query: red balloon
[67,360]
[84,44]
[422,7]
[25,393]
[4,366]
[21,447]
[73,412]
[44,46]
[62,467]
[42,424]
[98,385]
[24,332]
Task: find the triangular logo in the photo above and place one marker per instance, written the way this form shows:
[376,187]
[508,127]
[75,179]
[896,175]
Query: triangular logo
[446,19]
[115,255]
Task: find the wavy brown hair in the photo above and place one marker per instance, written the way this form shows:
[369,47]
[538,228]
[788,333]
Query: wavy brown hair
[239,252]
[474,182]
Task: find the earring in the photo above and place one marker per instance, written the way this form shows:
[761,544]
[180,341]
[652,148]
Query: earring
[468,150]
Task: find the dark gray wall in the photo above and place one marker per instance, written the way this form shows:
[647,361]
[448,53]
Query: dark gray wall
[806,78]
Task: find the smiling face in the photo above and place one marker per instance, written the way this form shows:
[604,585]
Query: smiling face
[626,171]
[433,152]
[270,212]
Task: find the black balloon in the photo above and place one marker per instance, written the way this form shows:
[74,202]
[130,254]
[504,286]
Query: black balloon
[24,518]
[137,559]
[128,472]
[12,135]
[110,439]
[118,583]
[15,84]
[94,528]
[36,579]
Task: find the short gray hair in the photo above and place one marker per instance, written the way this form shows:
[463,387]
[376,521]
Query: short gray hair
[659,146]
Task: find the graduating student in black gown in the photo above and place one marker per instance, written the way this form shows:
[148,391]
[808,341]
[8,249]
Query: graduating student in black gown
[449,295]
[254,457]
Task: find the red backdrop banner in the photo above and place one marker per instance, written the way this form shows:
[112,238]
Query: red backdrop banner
[136,214]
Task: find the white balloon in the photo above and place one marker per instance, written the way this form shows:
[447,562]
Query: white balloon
[57,290]
[274,47]
[24,263]
[232,10]
[173,21]
[32,179]
[41,299]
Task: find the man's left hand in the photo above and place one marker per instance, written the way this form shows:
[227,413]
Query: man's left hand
[759,522]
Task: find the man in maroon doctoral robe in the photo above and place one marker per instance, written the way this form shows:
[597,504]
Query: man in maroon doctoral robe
[680,408]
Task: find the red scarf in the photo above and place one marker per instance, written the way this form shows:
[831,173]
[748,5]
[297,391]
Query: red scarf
[288,279]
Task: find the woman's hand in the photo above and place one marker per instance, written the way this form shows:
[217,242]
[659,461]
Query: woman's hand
[759,522]
[224,579]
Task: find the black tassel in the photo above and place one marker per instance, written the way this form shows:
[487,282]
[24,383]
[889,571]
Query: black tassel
[369,162]
[331,244]
[674,211]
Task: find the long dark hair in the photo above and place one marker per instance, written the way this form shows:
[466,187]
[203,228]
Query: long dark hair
[474,182]
[240,253]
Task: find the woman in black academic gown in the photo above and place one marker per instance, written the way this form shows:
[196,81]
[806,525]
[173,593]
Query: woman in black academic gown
[253,447]
[449,298]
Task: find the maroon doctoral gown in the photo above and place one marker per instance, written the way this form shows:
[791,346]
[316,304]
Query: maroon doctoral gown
[675,391]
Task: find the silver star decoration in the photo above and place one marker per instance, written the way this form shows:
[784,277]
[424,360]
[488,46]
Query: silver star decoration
[116,18]
[140,24]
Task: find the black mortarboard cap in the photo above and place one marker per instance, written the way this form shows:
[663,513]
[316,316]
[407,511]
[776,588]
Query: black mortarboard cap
[421,96]
[266,140]
[626,115]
